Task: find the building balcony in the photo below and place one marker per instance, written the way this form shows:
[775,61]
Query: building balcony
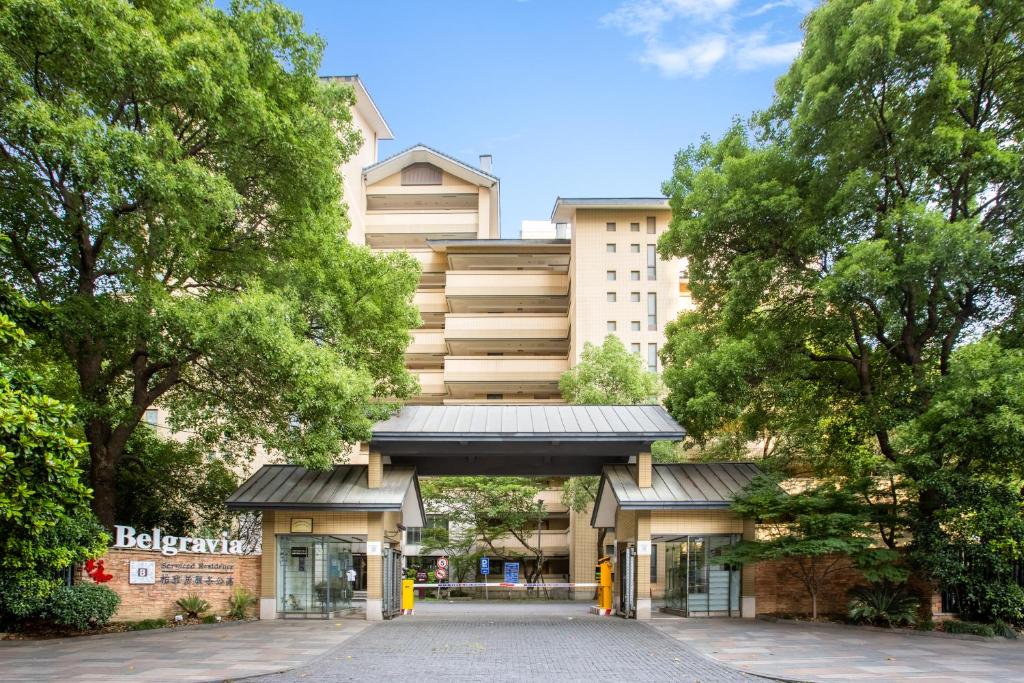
[433,306]
[552,542]
[503,291]
[526,376]
[432,389]
[538,334]
[412,229]
[427,349]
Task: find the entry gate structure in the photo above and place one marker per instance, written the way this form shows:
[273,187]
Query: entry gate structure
[391,600]
[627,583]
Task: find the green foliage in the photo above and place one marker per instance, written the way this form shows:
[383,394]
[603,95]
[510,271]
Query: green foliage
[171,190]
[1001,628]
[147,624]
[855,255]
[969,628]
[175,485]
[45,522]
[193,605]
[83,605]
[609,375]
[209,619]
[240,601]
[883,604]
[818,530]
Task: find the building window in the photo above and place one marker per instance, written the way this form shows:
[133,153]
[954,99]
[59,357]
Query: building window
[652,357]
[635,348]
[610,248]
[634,275]
[652,262]
[634,248]
[635,326]
[414,535]
[611,297]
[610,227]
[495,397]
[652,311]
[151,416]
[654,563]
[610,275]
[634,227]
[634,297]
[612,326]
[651,225]
[421,174]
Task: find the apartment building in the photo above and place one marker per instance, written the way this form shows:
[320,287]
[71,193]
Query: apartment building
[503,319]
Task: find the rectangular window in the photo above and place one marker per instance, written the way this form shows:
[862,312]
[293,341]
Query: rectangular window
[635,348]
[654,563]
[611,297]
[634,275]
[635,326]
[610,248]
[495,397]
[652,262]
[652,357]
[151,415]
[610,227]
[610,275]
[611,326]
[634,227]
[652,311]
[634,297]
[634,248]
[652,226]
[414,535]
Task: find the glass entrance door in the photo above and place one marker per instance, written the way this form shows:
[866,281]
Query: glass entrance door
[315,575]
[697,583]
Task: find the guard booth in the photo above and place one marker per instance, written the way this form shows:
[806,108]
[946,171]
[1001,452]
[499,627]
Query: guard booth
[672,523]
[331,539]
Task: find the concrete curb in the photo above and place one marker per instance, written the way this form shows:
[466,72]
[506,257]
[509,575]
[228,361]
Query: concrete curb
[881,629]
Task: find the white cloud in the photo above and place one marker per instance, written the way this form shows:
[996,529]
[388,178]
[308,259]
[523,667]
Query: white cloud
[691,37]
[694,59]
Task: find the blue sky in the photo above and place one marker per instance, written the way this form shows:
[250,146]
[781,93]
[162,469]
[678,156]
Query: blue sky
[572,99]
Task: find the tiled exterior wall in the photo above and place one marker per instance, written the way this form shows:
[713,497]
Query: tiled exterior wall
[696,522]
[157,600]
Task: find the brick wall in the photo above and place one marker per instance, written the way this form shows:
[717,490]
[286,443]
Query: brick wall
[780,591]
[151,601]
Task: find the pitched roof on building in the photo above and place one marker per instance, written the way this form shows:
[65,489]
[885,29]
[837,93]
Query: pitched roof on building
[342,488]
[421,152]
[366,106]
[516,423]
[681,486]
[563,205]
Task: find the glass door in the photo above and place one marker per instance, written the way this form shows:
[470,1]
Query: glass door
[296,574]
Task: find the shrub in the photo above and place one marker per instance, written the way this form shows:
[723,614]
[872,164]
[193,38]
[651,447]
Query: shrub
[240,601]
[968,627]
[193,605]
[882,604]
[209,619]
[147,624]
[1003,601]
[1003,629]
[83,605]
[927,625]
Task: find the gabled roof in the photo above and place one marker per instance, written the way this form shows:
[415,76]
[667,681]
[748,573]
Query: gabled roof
[682,486]
[344,487]
[564,206]
[518,423]
[366,106]
[422,153]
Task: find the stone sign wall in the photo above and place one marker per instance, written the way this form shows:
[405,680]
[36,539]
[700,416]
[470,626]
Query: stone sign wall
[159,580]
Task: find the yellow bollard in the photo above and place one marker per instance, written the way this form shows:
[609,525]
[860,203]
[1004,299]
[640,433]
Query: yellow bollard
[603,576]
[407,596]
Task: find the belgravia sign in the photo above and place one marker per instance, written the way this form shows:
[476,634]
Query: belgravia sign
[126,537]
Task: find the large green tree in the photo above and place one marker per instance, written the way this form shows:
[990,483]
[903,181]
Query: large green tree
[609,375]
[846,246]
[169,181]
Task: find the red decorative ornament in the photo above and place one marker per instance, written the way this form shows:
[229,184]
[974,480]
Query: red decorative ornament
[96,571]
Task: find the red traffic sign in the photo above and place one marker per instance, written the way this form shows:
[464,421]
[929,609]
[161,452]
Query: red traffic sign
[441,574]
[442,563]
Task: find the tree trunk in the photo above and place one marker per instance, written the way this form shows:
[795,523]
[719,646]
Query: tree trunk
[814,604]
[103,478]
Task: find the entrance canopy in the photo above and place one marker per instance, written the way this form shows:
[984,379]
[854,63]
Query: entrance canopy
[543,440]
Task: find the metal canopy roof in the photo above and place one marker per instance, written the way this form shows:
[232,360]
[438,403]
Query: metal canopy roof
[520,439]
[682,486]
[342,488]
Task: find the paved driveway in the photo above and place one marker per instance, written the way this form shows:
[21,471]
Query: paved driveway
[511,642]
[832,652]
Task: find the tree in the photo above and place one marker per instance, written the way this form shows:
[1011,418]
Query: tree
[848,245]
[487,510]
[169,184]
[45,521]
[818,532]
[608,375]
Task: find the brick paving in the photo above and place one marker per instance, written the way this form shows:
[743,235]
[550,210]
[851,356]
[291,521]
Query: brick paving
[510,642]
[833,652]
